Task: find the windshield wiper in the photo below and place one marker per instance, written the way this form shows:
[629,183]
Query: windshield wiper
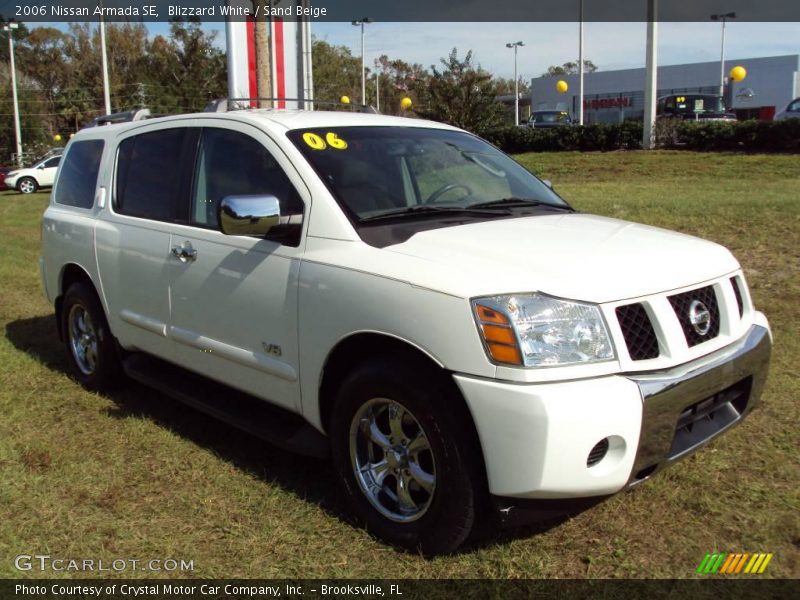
[425,210]
[514,201]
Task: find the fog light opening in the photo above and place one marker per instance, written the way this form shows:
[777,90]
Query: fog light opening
[597,453]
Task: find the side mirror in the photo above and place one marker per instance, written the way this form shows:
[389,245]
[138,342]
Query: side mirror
[248,215]
[548,183]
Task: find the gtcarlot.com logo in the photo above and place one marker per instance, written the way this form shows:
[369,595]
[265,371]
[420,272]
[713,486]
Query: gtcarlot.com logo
[734,564]
[44,562]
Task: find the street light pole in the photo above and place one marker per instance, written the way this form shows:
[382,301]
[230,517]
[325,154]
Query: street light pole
[515,46]
[104,60]
[723,18]
[580,65]
[377,88]
[10,27]
[363,22]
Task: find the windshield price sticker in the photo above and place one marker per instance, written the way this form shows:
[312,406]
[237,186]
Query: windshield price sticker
[315,142]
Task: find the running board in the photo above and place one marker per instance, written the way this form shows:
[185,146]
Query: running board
[257,417]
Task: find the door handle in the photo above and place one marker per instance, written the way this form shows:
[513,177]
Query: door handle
[184,253]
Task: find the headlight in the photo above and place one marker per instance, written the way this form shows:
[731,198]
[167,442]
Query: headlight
[12,174]
[535,330]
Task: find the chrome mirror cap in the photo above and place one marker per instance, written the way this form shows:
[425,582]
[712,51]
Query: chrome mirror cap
[248,215]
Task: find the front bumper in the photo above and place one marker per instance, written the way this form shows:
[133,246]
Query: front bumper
[536,438]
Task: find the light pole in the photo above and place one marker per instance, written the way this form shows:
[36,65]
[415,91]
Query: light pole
[515,46]
[10,27]
[580,65]
[104,61]
[377,87]
[362,22]
[723,18]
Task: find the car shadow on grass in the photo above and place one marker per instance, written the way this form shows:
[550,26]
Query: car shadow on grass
[310,479]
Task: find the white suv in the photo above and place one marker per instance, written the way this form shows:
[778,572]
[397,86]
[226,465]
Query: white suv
[30,179]
[403,296]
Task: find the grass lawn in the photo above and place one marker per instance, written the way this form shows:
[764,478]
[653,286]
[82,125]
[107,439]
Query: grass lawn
[136,475]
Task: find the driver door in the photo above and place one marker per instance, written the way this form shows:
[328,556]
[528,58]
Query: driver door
[234,298]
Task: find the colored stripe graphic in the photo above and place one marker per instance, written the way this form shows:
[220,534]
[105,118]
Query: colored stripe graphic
[729,564]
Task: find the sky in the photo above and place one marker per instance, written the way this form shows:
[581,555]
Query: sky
[609,45]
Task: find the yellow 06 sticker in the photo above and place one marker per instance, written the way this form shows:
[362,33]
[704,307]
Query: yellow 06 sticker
[334,141]
[314,141]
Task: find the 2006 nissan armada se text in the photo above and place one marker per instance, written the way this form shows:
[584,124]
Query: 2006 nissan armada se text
[404,297]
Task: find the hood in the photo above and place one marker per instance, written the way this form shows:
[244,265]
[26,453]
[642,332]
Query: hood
[577,256]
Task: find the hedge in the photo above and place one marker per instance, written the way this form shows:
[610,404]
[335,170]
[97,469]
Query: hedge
[743,136]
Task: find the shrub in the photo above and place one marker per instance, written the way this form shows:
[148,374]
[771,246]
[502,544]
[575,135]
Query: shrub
[729,136]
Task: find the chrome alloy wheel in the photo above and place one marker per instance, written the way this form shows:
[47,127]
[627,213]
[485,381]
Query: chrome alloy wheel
[82,339]
[392,460]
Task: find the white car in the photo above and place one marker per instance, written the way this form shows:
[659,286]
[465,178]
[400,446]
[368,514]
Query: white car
[41,174]
[792,111]
[404,297]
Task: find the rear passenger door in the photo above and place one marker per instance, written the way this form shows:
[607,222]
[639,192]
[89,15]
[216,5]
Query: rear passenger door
[133,233]
[234,298]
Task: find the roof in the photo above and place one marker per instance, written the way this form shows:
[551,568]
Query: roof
[275,120]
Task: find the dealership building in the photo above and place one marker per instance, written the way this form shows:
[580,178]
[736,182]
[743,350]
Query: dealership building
[613,96]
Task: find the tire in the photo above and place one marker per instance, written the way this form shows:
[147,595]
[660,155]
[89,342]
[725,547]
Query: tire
[404,457]
[91,349]
[27,185]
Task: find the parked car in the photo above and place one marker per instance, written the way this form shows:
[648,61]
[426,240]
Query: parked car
[546,119]
[792,111]
[28,180]
[694,107]
[403,297]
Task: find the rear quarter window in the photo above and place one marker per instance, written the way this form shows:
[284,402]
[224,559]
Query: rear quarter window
[77,178]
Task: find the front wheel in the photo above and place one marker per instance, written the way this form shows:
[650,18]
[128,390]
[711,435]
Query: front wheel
[27,185]
[404,459]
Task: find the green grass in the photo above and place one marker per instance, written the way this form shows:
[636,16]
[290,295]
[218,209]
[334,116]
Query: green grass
[135,475]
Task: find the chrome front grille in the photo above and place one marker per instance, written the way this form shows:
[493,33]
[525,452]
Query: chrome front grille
[665,329]
[688,304]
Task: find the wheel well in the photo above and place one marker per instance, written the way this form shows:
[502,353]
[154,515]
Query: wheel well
[70,274]
[355,350]
[361,347]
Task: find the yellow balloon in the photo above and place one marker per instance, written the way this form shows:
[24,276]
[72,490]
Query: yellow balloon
[345,99]
[405,103]
[562,86]
[57,137]
[738,73]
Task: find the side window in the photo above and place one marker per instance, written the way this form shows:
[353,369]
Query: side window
[148,174]
[234,164]
[53,162]
[77,180]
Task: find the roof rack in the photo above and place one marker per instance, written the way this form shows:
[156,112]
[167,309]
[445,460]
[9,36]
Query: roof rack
[231,104]
[138,114]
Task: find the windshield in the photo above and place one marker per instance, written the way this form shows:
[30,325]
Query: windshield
[550,117]
[687,105]
[380,170]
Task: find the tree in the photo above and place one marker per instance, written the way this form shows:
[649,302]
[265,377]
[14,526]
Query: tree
[186,70]
[569,68]
[398,80]
[336,71]
[461,94]
[506,86]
